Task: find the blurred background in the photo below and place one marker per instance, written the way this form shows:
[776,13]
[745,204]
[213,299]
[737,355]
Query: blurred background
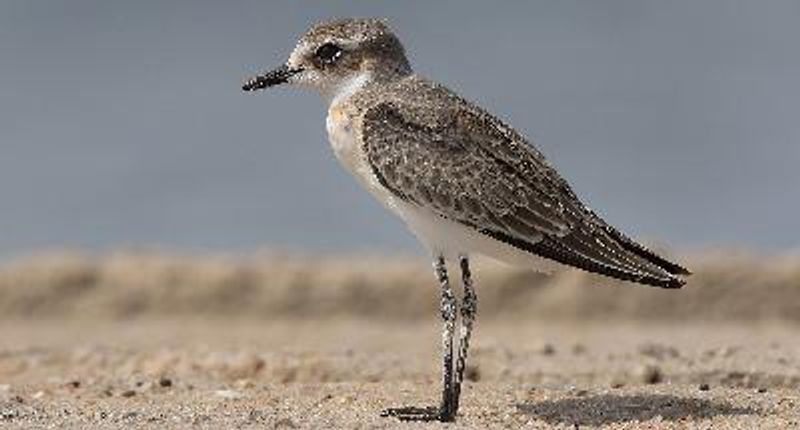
[125,139]
[122,123]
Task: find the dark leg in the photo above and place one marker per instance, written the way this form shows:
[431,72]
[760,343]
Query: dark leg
[447,410]
[469,308]
[449,310]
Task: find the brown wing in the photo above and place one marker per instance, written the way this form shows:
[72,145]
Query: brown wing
[470,168]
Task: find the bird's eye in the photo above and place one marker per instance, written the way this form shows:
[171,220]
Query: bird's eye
[328,53]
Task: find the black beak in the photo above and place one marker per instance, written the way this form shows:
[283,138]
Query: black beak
[278,76]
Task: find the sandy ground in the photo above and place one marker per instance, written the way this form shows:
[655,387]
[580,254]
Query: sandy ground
[153,340]
[340,373]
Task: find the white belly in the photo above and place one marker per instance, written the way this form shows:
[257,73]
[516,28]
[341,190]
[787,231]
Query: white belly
[441,236]
[452,240]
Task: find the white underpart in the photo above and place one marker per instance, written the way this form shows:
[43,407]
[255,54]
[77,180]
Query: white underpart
[348,88]
[441,236]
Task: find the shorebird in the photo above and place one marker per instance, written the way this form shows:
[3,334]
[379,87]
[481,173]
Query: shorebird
[463,181]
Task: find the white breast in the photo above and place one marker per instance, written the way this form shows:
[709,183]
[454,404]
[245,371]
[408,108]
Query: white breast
[350,153]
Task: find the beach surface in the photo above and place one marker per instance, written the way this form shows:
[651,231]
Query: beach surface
[162,354]
[341,374]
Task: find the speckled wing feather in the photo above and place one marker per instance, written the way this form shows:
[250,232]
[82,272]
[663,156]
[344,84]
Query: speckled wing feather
[468,167]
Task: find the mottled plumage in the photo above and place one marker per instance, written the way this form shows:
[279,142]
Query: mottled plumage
[463,181]
[433,149]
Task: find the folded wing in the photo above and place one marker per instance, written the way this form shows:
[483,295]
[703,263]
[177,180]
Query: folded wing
[469,167]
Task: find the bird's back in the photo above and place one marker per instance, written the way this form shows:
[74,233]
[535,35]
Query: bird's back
[433,149]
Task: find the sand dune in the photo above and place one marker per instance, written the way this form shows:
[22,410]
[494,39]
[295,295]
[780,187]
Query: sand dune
[725,286]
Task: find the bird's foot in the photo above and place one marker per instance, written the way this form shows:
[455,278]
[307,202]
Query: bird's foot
[427,414]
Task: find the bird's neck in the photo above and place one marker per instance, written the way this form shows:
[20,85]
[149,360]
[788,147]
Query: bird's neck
[349,87]
[369,75]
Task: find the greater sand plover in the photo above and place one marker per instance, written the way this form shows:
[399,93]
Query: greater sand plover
[463,181]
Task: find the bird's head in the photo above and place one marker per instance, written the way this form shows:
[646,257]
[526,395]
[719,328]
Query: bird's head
[339,56]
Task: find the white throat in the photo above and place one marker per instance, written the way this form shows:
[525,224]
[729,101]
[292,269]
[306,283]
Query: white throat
[349,87]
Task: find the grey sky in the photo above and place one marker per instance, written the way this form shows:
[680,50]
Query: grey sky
[122,122]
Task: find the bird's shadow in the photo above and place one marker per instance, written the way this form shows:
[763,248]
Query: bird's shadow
[609,408]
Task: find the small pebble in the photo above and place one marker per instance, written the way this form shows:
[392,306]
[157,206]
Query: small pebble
[229,394]
[762,390]
[73,384]
[649,374]
[578,349]
[548,349]
[244,384]
[128,393]
[704,387]
[285,423]
[8,414]
[658,351]
[472,373]
[165,382]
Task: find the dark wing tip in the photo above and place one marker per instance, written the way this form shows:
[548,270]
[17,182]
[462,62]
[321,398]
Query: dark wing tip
[677,283]
[643,252]
[553,250]
[671,283]
[682,271]
[668,266]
